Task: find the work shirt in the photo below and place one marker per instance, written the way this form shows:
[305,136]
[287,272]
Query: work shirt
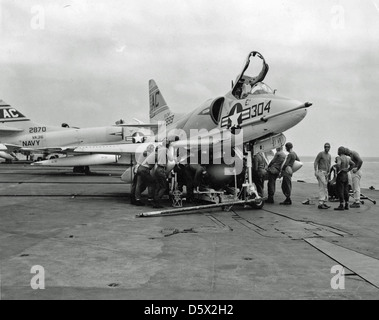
[278,160]
[164,156]
[149,162]
[323,161]
[291,157]
[259,162]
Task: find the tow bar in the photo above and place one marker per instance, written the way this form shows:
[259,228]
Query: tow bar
[195,208]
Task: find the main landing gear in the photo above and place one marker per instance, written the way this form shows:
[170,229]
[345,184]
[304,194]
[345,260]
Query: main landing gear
[82,169]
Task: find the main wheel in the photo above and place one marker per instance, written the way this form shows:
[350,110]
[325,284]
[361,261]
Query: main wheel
[257,204]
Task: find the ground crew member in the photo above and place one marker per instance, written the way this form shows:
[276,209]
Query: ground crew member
[259,172]
[194,174]
[273,171]
[144,178]
[356,175]
[140,158]
[343,165]
[322,165]
[287,172]
[163,156]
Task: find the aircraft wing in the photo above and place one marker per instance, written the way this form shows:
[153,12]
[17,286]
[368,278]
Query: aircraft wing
[114,148]
[11,147]
[48,150]
[140,125]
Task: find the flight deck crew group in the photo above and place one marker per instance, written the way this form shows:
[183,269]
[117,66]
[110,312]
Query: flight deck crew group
[348,170]
[347,166]
[156,180]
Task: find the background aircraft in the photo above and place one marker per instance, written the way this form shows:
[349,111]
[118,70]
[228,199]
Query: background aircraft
[19,134]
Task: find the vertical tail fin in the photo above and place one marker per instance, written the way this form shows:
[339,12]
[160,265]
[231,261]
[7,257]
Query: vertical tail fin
[10,114]
[159,110]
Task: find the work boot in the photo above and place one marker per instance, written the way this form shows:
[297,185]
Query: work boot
[339,208]
[190,200]
[157,205]
[355,205]
[286,202]
[347,206]
[138,203]
[270,200]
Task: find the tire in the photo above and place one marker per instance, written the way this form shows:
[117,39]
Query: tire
[78,170]
[257,205]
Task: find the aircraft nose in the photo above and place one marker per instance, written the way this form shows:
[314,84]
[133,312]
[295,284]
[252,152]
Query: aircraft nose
[301,112]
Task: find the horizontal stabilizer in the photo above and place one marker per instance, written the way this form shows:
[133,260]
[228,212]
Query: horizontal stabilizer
[10,130]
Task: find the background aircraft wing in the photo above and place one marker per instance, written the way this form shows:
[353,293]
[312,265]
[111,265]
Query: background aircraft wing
[48,150]
[114,148]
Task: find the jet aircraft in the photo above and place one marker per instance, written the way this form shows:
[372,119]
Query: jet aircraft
[251,110]
[19,133]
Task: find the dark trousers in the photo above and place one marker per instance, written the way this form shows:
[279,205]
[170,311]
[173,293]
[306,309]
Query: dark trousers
[271,184]
[342,183]
[144,179]
[259,183]
[287,185]
[133,188]
[160,182]
[193,176]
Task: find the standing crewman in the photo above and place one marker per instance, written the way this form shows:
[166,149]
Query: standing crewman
[163,156]
[259,172]
[140,158]
[145,179]
[273,171]
[356,175]
[287,172]
[322,165]
[194,174]
[343,165]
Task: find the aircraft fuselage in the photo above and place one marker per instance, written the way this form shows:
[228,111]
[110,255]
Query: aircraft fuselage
[228,113]
[39,137]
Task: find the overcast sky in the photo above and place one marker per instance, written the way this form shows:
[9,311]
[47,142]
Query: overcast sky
[87,63]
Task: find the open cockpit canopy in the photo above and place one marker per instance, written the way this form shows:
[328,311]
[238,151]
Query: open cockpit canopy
[245,83]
